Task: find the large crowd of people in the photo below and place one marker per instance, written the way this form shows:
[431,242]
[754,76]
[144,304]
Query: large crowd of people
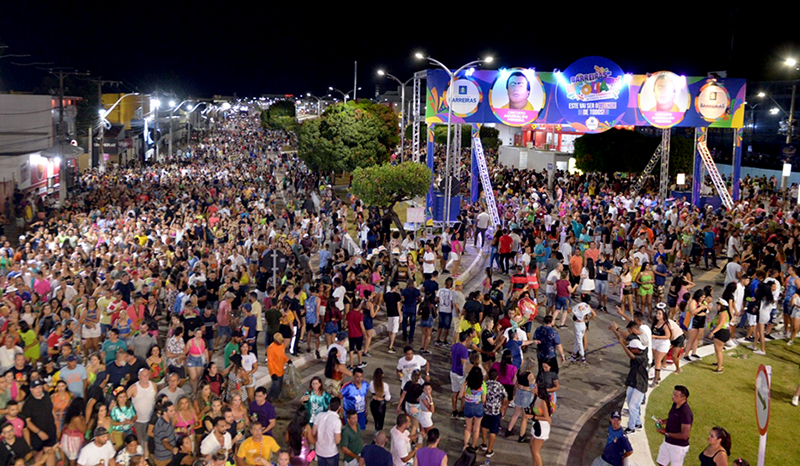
[134,318]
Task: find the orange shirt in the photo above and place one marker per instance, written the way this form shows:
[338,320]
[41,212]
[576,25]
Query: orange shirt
[276,359]
[592,253]
[575,265]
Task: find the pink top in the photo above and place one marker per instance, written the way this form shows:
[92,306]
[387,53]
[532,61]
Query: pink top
[195,349]
[509,377]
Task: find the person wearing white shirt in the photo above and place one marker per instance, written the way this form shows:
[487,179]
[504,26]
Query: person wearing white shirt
[218,439]
[481,225]
[566,251]
[7,353]
[328,432]
[402,454]
[409,363]
[428,260]
[100,450]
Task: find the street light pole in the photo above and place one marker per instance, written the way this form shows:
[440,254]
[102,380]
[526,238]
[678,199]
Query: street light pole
[319,103]
[452,76]
[402,111]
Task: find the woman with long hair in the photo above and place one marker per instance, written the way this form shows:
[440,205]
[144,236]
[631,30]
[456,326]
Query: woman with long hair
[239,411]
[380,396]
[766,299]
[158,368]
[90,319]
[626,282]
[540,424]
[718,449]
[72,436]
[237,377]
[194,352]
[250,366]
[202,399]
[473,391]
[662,335]
[214,379]
[335,372]
[185,418]
[123,416]
[695,320]
[721,332]
[523,398]
[646,281]
[316,399]
[61,399]
[99,418]
[299,437]
[370,311]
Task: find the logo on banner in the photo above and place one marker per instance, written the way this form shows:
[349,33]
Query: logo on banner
[592,94]
[517,96]
[466,99]
[713,101]
[664,99]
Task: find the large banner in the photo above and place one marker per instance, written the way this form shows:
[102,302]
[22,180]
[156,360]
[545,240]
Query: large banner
[591,95]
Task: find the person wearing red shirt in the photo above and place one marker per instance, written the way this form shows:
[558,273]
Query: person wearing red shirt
[355,333]
[504,249]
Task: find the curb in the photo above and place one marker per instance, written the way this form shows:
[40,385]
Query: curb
[563,457]
[642,456]
[380,328]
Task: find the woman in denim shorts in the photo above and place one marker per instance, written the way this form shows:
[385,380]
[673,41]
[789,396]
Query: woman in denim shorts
[474,393]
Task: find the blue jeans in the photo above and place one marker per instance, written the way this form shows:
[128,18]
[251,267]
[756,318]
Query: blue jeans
[275,388]
[409,320]
[634,399]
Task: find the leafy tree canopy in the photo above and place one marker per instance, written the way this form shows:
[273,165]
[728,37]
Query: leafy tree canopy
[348,136]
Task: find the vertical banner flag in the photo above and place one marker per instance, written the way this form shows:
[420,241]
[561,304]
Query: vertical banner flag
[487,183]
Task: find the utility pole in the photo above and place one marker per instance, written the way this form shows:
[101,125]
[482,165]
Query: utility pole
[355,80]
[99,160]
[61,132]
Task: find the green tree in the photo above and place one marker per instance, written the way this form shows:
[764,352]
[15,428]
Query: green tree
[280,115]
[385,185]
[348,136]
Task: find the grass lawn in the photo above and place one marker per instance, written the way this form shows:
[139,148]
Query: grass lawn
[728,400]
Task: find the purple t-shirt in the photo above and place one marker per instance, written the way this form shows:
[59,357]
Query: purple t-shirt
[265,413]
[430,456]
[457,353]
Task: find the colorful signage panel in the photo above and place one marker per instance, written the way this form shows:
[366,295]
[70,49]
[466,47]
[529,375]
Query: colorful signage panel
[664,99]
[591,95]
[517,96]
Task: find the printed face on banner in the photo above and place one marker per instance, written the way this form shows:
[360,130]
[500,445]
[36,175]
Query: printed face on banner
[592,94]
[466,97]
[713,101]
[517,96]
[664,99]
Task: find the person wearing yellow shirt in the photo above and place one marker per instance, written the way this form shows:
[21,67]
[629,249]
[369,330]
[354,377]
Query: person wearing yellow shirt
[257,449]
[469,322]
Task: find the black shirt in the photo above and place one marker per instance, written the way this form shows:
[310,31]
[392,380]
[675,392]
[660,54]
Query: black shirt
[9,453]
[637,375]
[392,299]
[40,413]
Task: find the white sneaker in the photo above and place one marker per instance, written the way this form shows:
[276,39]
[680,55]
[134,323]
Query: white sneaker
[795,400]
[790,342]
[762,353]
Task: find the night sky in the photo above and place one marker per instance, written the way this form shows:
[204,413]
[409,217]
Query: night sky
[221,47]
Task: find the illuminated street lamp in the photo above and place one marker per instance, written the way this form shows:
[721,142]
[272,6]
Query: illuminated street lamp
[402,110]
[319,103]
[452,75]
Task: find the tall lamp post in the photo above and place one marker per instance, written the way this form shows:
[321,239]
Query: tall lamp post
[402,110]
[344,96]
[452,75]
[319,103]
[155,103]
[189,120]
[171,116]
[104,123]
